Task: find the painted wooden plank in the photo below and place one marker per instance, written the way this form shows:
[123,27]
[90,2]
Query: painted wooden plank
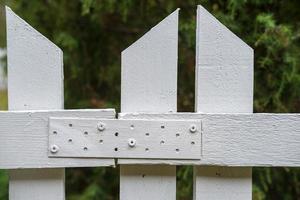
[220,182]
[227,139]
[149,70]
[224,84]
[24,139]
[35,81]
[149,84]
[149,182]
[259,139]
[35,68]
[36,184]
[224,68]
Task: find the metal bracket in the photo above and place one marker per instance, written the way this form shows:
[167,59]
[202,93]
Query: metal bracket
[122,138]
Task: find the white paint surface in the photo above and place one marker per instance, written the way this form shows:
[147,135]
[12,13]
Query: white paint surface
[224,68]
[156,139]
[252,140]
[37,184]
[147,182]
[218,182]
[259,139]
[149,70]
[224,84]
[226,139]
[24,139]
[149,84]
[35,81]
[35,67]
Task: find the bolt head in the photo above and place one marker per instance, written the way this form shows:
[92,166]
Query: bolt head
[193,128]
[54,148]
[101,126]
[131,142]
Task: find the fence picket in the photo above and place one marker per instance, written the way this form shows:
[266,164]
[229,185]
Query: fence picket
[35,81]
[224,84]
[149,84]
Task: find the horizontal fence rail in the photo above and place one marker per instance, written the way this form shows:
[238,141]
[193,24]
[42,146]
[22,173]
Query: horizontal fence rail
[212,139]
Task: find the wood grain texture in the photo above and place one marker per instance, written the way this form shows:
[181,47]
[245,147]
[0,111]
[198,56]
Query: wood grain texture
[252,140]
[149,84]
[37,184]
[35,68]
[224,84]
[24,139]
[149,70]
[35,81]
[224,68]
[227,139]
[147,182]
[259,139]
[218,182]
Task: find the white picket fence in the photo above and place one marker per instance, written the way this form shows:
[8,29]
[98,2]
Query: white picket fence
[222,140]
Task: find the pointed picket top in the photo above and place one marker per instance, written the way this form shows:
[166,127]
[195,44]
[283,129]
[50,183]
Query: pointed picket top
[32,59]
[224,68]
[149,70]
[224,84]
[149,84]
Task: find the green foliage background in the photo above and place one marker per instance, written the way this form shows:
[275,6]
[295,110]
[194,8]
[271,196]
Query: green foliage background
[92,34]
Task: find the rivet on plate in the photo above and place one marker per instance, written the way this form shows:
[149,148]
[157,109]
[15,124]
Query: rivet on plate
[101,126]
[54,148]
[193,128]
[131,142]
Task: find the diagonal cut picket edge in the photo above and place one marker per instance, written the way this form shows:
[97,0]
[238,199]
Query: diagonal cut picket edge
[149,84]
[224,84]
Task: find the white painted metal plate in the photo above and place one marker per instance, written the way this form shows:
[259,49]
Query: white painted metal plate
[147,139]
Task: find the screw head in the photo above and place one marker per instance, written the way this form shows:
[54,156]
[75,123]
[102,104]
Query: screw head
[101,126]
[131,142]
[54,148]
[193,128]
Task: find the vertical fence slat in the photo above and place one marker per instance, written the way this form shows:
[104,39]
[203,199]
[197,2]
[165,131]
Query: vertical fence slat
[35,81]
[224,84]
[149,84]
